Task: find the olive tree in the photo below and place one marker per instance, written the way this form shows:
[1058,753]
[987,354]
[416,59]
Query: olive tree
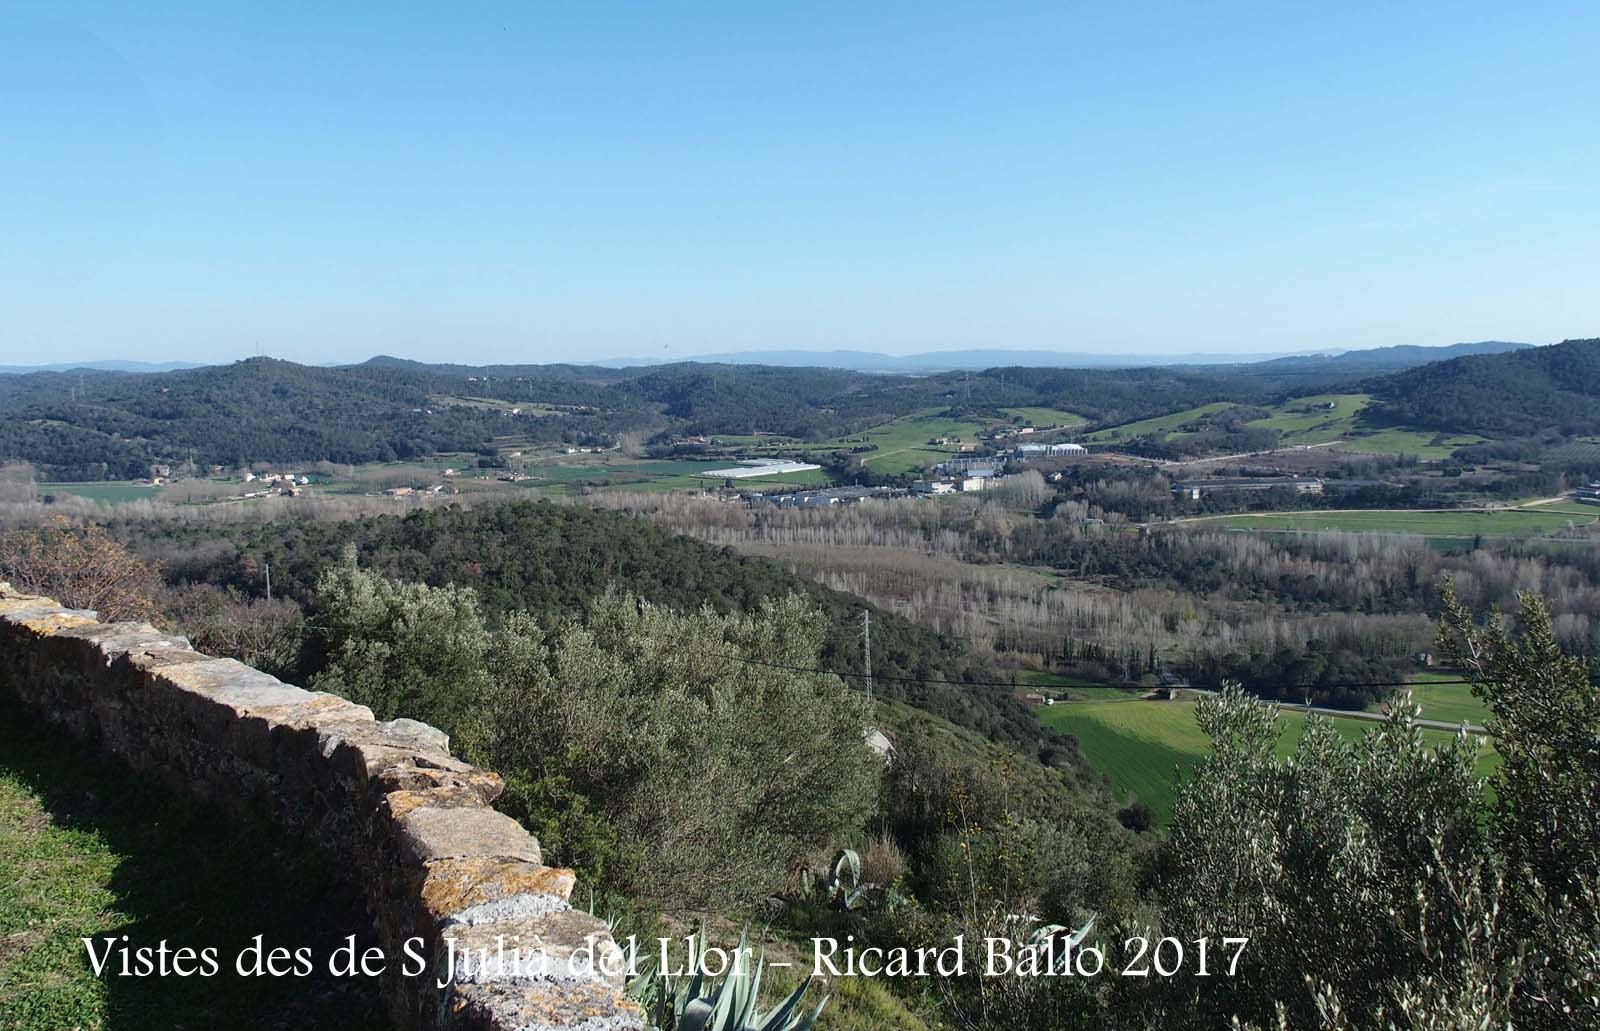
[688,758]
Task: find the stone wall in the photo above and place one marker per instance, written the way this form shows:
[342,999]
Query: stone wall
[411,826]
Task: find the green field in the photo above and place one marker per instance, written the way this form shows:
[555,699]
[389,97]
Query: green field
[109,493]
[1304,421]
[1510,522]
[1324,418]
[1041,417]
[1140,745]
[1315,420]
[1161,423]
[1421,443]
[1452,702]
[902,444]
[1568,508]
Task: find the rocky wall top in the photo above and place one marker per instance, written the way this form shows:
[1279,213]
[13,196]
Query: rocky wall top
[411,826]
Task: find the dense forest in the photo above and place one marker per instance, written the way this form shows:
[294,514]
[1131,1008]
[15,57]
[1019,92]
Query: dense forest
[1518,393]
[552,560]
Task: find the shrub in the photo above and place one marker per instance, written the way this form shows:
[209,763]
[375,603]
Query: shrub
[83,568]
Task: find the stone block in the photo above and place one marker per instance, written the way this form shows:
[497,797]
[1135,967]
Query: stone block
[545,1006]
[452,885]
[426,835]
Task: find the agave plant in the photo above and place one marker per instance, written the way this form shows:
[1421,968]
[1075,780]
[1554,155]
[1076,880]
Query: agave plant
[844,883]
[1061,935]
[726,1004]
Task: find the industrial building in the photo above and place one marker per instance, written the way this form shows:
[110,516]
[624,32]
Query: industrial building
[1048,450]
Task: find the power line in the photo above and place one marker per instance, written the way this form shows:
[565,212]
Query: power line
[1006,683]
[871,677]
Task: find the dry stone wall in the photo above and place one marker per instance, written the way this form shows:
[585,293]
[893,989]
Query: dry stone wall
[412,826]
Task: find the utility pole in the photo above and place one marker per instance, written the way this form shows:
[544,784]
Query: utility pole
[866,644]
[268,567]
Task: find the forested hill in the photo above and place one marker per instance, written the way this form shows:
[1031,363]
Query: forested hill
[94,425]
[551,560]
[105,425]
[1385,359]
[1512,394]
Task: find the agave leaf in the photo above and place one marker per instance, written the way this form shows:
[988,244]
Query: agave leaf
[778,1020]
[696,1016]
[809,1021]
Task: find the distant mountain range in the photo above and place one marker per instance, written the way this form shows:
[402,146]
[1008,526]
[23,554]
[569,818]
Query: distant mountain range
[107,366]
[1403,356]
[1377,359]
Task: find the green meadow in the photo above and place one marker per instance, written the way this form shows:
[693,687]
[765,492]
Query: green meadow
[1161,423]
[1317,419]
[108,493]
[1141,746]
[1452,702]
[902,444]
[1042,417]
[1510,522]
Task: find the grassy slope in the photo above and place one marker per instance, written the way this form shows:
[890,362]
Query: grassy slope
[1317,419]
[1140,745]
[1168,422]
[88,850]
[903,443]
[1310,420]
[1036,416]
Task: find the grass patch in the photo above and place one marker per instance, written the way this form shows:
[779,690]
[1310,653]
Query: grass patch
[1579,509]
[108,493]
[903,444]
[1420,443]
[88,849]
[1508,522]
[1159,424]
[1042,418]
[1450,702]
[1142,746]
[1316,419]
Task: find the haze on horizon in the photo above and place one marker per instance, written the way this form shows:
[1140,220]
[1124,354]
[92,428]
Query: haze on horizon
[533,183]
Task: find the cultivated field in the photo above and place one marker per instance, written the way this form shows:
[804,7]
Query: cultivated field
[1509,522]
[1044,417]
[109,493]
[1142,745]
[1161,423]
[1315,420]
[1306,421]
[903,443]
[1452,702]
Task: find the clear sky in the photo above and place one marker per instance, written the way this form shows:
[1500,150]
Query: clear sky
[528,182]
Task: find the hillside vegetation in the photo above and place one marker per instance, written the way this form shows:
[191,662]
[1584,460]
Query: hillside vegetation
[1516,393]
[92,425]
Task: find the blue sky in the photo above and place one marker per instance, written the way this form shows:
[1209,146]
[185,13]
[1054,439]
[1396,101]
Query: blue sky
[533,182]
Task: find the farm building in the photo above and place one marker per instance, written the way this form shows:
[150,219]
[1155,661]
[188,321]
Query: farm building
[759,467]
[968,466]
[1048,450]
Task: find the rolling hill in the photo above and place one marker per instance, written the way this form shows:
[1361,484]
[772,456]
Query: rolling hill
[1517,393]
